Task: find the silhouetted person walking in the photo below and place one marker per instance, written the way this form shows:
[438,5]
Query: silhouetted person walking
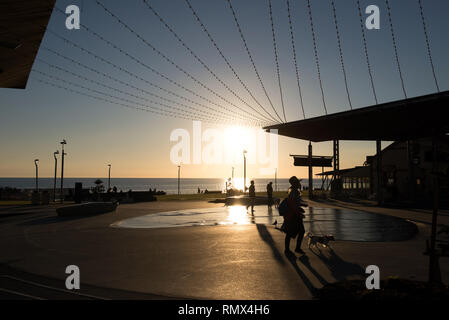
[293,220]
[252,196]
[270,193]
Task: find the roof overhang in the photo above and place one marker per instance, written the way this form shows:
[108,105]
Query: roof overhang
[23,24]
[359,172]
[401,120]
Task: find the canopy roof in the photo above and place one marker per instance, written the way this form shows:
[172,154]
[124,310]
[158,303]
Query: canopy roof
[407,119]
[359,172]
[23,24]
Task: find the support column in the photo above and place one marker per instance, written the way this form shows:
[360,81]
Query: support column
[434,270]
[336,187]
[411,170]
[310,172]
[244,173]
[322,178]
[379,171]
[336,155]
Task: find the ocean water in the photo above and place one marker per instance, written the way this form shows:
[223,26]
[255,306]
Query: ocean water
[169,185]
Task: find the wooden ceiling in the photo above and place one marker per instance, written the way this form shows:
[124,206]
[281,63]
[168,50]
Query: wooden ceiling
[22,27]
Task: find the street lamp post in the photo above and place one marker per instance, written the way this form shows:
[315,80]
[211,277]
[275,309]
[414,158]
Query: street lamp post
[244,170]
[179,179]
[37,174]
[63,142]
[109,177]
[56,168]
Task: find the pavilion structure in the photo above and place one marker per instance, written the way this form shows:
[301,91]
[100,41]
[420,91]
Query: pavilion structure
[403,120]
[311,161]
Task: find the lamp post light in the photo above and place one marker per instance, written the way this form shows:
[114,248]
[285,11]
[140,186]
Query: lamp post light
[37,174]
[109,177]
[56,168]
[63,142]
[179,178]
[244,170]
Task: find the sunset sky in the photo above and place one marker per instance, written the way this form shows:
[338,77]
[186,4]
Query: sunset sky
[137,144]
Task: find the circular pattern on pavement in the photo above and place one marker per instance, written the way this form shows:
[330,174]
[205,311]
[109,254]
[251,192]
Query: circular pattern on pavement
[343,224]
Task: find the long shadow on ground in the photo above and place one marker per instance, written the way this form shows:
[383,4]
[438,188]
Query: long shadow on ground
[291,257]
[339,268]
[268,239]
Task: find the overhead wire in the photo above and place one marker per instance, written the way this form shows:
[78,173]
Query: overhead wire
[235,114]
[140,62]
[395,47]
[130,85]
[295,61]
[276,57]
[107,100]
[226,60]
[195,111]
[340,51]
[201,61]
[245,44]
[179,112]
[365,47]
[315,50]
[429,52]
[166,58]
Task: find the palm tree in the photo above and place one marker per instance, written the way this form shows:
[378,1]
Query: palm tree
[99,188]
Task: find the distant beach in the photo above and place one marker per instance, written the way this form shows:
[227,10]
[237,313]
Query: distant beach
[169,185]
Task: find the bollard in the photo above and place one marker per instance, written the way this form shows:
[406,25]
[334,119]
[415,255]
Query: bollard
[35,198]
[45,200]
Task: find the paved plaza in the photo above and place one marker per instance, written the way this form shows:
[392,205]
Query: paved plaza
[214,252]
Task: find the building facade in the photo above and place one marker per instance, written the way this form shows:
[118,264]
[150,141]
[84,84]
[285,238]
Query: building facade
[407,175]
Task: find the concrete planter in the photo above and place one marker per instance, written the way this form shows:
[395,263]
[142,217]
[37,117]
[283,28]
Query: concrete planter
[87,209]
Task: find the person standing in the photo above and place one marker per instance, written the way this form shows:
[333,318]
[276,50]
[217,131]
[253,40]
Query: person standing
[293,220]
[252,196]
[270,193]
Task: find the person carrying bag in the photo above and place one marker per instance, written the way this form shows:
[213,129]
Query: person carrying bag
[290,209]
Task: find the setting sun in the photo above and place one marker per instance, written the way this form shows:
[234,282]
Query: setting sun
[238,139]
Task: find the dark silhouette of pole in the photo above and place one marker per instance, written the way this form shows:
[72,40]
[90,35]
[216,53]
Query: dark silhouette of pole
[37,174]
[179,179]
[109,177]
[434,269]
[310,172]
[244,170]
[336,185]
[63,142]
[379,172]
[56,168]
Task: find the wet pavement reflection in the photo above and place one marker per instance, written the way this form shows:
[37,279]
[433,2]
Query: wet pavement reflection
[344,224]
